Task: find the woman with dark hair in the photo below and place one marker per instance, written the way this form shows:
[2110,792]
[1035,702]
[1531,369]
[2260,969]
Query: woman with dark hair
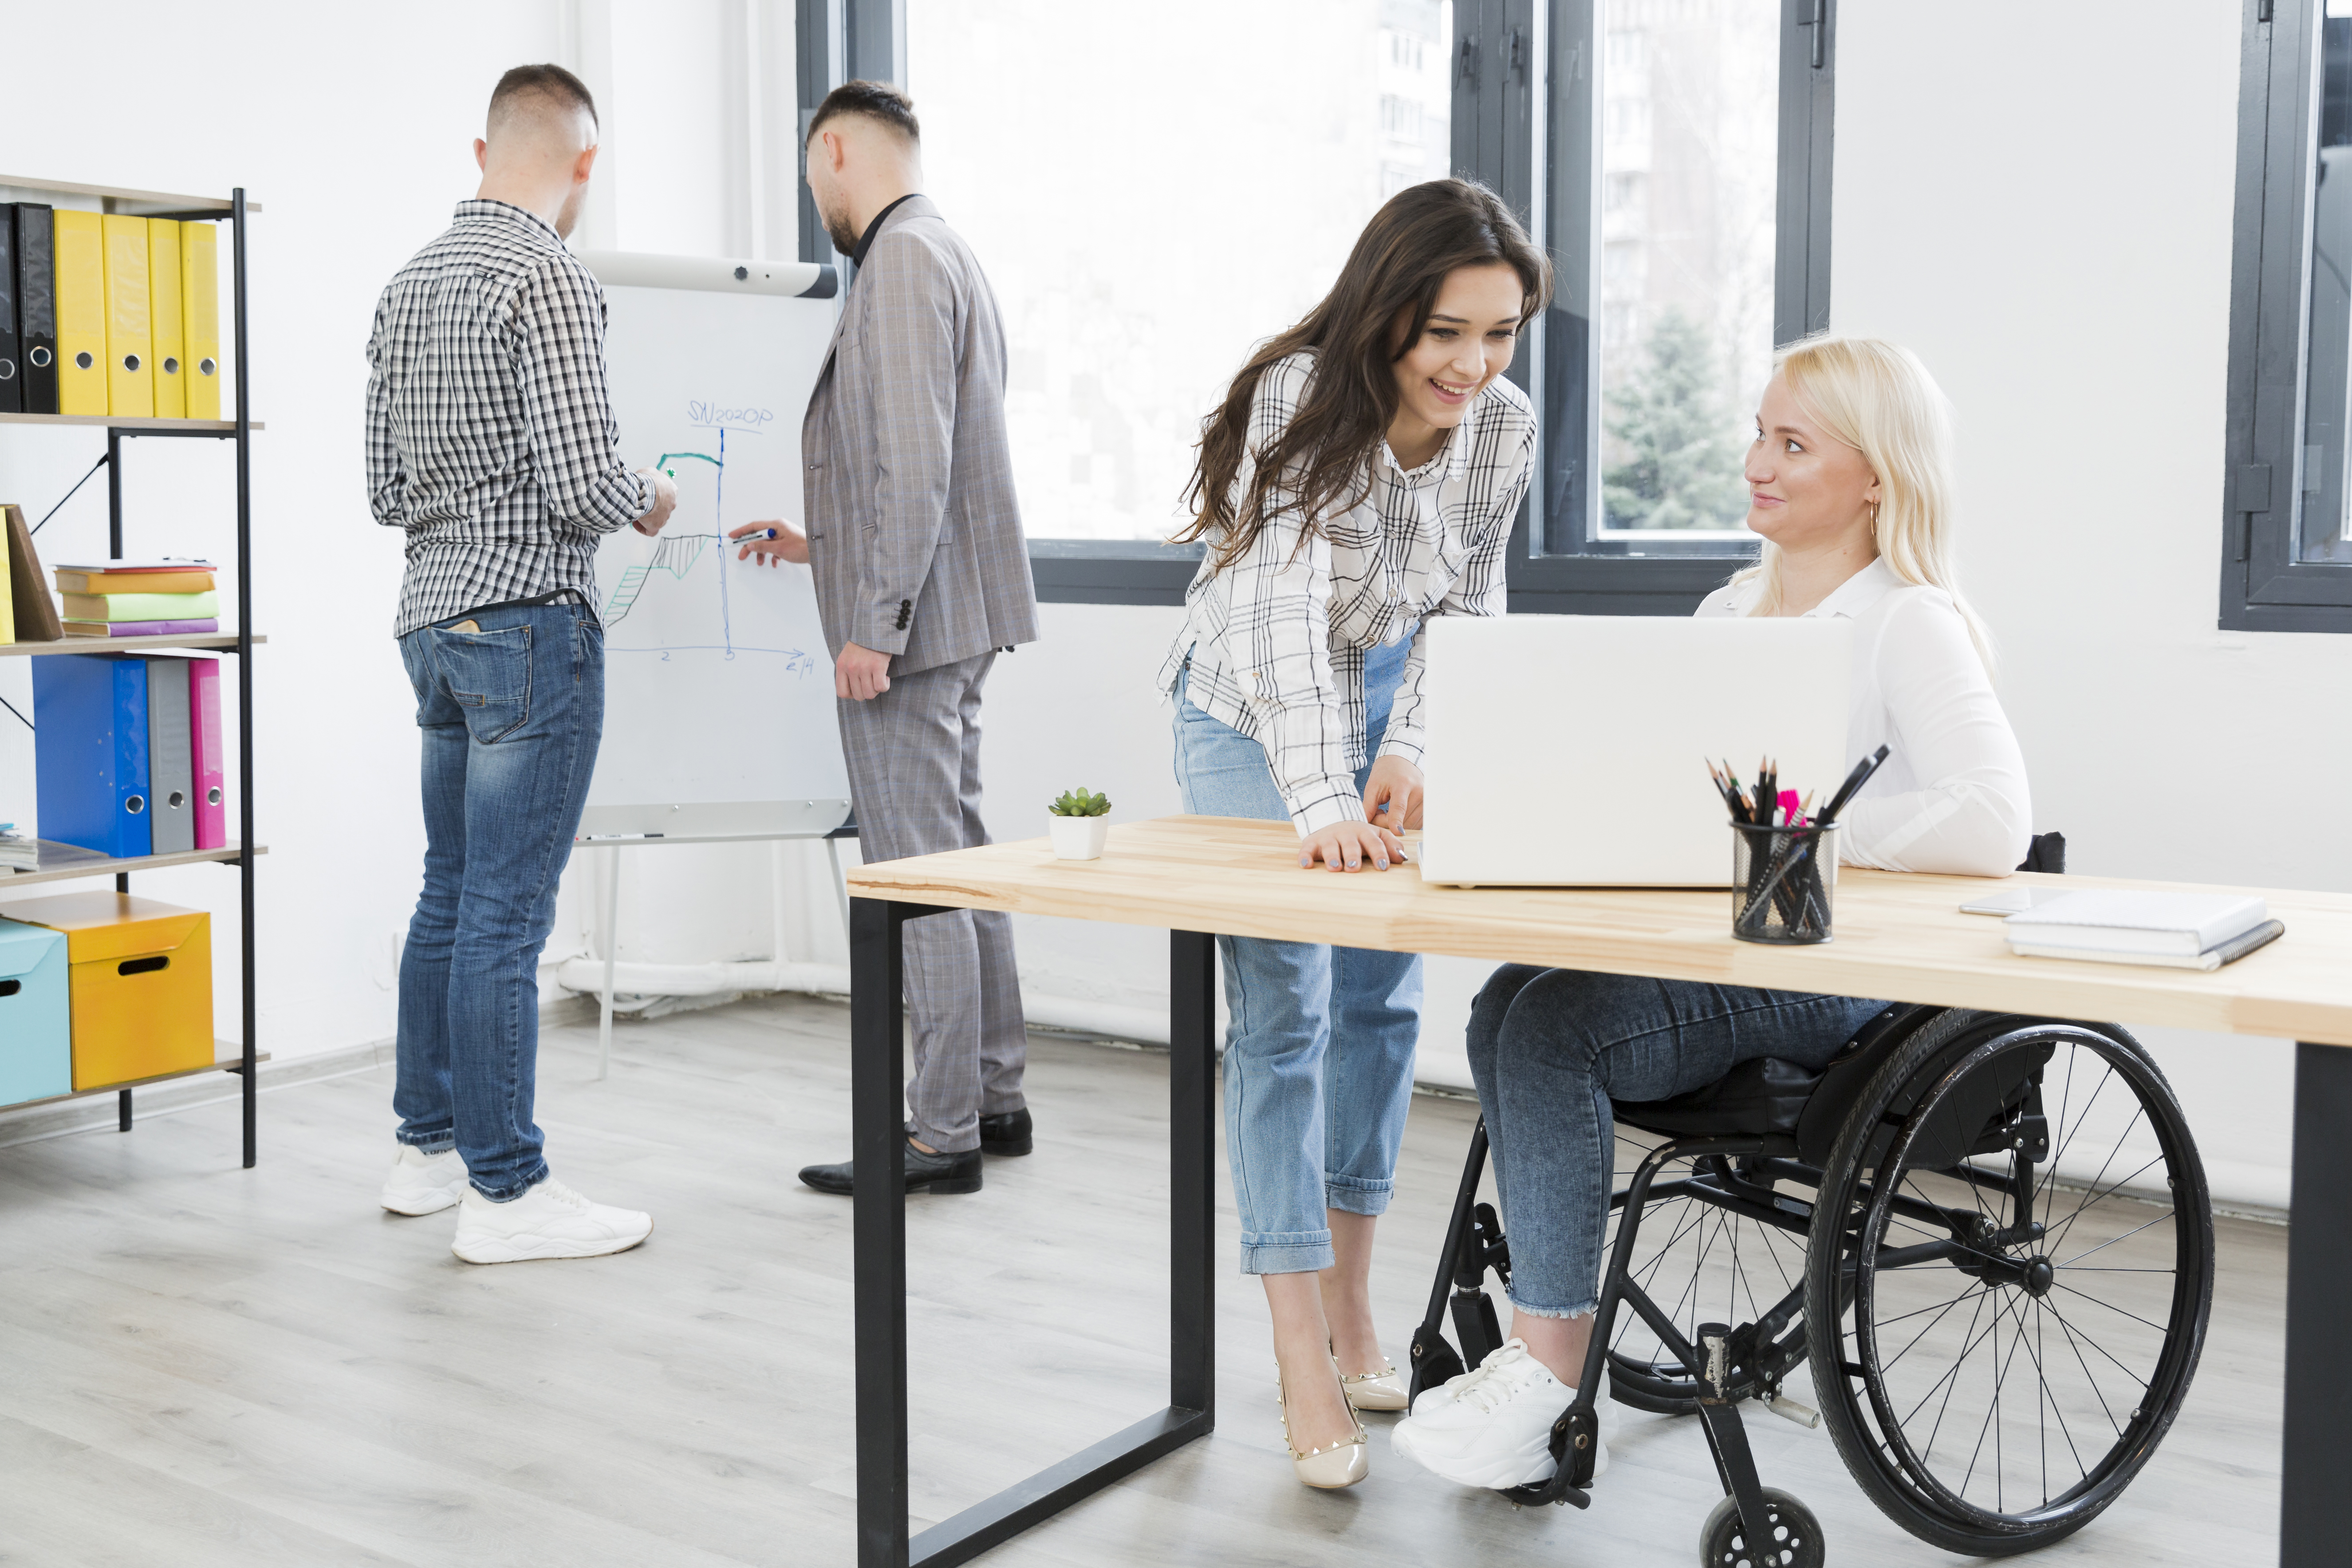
[1360,476]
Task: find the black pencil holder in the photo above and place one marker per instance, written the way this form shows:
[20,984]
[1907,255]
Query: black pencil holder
[1783,881]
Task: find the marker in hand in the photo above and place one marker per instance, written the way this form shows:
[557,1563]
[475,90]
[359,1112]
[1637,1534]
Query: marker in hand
[765,542]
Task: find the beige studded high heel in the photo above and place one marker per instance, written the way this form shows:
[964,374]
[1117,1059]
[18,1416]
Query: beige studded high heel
[1335,1465]
[1381,1390]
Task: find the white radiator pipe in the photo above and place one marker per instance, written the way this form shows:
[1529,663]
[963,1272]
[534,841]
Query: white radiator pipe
[586,975]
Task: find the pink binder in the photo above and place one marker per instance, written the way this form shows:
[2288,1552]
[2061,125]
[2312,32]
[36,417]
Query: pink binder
[204,752]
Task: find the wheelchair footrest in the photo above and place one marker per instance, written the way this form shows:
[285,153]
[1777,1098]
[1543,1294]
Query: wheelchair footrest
[1535,1494]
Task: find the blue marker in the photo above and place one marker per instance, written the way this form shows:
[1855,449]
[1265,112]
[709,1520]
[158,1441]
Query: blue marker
[763,533]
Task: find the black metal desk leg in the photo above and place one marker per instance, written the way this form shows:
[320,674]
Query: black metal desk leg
[1193,1182]
[2318,1296]
[877,1105]
[878,1144]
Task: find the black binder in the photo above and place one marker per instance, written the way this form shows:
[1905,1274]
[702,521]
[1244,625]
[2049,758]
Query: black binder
[12,386]
[36,308]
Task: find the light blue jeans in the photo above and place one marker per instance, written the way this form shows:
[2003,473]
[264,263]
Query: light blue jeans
[1551,1048]
[511,715]
[1318,1051]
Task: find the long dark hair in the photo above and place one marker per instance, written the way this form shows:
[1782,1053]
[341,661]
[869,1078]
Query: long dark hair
[1321,457]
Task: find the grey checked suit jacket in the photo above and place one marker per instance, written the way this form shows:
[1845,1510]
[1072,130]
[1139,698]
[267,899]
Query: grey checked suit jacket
[913,533]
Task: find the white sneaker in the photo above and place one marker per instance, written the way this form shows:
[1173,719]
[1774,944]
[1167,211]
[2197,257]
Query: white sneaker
[1495,1430]
[1604,1408]
[422,1182]
[550,1220]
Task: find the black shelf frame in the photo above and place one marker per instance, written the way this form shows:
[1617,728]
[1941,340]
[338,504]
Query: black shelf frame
[240,431]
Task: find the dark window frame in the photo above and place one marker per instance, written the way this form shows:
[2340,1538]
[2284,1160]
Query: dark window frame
[2263,586]
[1498,120]
[1504,125]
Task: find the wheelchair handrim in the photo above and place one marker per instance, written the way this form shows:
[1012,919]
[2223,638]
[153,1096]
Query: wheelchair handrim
[2176,1359]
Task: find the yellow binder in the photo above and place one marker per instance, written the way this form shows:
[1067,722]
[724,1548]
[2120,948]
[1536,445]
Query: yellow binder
[7,599]
[81,313]
[199,319]
[130,332]
[163,311]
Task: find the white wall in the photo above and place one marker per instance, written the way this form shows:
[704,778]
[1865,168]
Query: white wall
[355,136]
[2049,227]
[356,139]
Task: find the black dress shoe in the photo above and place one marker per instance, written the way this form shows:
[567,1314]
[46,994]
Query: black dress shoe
[925,1173]
[1006,1134]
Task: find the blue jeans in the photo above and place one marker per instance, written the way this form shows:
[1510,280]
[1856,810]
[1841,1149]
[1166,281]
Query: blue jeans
[511,717]
[1319,1047]
[1551,1048]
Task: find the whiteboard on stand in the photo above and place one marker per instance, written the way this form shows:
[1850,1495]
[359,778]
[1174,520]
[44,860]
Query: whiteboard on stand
[718,705]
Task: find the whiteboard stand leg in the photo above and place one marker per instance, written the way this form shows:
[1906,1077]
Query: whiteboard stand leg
[840,884]
[611,951]
[778,879]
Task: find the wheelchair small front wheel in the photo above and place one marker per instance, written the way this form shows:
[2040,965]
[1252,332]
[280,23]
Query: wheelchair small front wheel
[1795,1536]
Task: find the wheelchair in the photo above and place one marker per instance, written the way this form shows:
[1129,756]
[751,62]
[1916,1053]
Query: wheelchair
[1988,1236]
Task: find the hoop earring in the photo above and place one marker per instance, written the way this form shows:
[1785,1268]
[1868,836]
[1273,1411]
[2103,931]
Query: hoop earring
[1873,520]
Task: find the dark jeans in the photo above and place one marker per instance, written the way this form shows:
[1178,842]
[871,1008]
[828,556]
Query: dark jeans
[511,717]
[1551,1048]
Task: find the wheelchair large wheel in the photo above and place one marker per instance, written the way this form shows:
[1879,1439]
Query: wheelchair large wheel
[1700,1263]
[2011,1268]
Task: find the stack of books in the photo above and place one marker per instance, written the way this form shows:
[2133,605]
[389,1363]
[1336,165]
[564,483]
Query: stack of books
[161,597]
[2120,925]
[18,851]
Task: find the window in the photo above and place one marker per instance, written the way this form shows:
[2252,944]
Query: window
[1674,157]
[2287,557]
[1152,194]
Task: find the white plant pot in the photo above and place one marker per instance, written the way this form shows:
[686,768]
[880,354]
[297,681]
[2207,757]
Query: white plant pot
[1078,838]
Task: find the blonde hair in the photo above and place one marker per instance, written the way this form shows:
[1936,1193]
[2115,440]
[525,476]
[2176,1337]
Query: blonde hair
[1876,397]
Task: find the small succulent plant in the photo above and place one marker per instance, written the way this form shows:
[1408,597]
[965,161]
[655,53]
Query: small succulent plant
[1078,802]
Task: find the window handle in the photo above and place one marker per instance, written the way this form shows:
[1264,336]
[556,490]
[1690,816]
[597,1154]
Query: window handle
[1469,57]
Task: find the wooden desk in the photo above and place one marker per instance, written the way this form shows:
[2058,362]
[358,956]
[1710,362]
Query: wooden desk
[1899,938]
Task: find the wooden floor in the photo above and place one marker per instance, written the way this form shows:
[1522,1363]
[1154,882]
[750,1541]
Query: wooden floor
[204,1365]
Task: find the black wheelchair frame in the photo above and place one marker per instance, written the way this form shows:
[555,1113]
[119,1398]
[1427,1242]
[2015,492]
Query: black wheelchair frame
[1922,1101]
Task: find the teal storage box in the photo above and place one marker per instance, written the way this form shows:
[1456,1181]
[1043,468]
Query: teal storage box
[35,1024]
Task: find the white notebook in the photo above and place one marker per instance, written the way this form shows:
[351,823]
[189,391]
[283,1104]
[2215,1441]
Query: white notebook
[2124,921]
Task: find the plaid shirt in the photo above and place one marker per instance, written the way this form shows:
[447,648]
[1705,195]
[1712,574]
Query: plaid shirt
[489,438]
[1276,641]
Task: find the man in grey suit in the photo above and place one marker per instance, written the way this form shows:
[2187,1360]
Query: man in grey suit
[922,577]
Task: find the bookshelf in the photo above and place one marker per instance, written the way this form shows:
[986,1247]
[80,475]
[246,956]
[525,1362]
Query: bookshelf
[120,645]
[231,210]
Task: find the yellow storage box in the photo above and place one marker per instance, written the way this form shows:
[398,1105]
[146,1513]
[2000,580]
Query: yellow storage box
[140,976]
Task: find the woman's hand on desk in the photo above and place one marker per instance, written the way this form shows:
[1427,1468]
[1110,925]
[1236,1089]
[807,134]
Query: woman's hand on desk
[1394,784]
[1349,846]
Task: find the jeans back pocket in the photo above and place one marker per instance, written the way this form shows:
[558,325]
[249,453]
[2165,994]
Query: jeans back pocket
[487,676]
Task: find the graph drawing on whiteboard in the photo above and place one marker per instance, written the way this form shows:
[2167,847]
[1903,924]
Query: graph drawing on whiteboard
[718,699]
[690,538]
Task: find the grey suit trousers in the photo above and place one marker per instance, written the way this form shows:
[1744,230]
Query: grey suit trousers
[914,778]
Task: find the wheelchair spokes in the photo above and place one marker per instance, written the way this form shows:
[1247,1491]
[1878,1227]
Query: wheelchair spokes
[2026,1303]
[1698,1260]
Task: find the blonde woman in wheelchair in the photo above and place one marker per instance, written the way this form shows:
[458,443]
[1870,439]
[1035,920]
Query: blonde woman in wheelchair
[1849,486]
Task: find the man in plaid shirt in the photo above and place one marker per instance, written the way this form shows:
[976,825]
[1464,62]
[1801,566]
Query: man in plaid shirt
[490,442]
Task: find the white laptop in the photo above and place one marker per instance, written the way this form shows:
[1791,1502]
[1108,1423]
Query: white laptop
[1572,751]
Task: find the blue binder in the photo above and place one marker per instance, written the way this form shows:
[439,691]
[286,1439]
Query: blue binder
[90,751]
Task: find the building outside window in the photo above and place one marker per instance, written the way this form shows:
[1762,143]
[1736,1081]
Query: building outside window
[1688,167]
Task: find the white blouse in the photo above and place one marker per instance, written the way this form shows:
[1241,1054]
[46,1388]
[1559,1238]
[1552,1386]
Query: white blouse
[1951,795]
